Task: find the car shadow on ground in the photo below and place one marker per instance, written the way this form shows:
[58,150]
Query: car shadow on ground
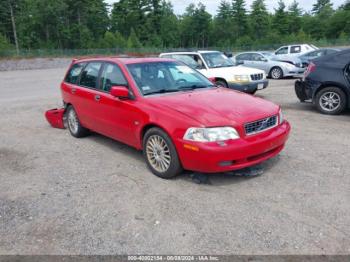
[233,177]
[309,107]
[217,179]
[117,146]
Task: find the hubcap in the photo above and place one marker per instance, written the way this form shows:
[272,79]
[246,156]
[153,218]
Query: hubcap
[158,153]
[330,101]
[276,73]
[73,121]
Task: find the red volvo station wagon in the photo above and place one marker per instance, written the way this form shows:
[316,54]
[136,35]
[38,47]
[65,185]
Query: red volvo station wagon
[179,118]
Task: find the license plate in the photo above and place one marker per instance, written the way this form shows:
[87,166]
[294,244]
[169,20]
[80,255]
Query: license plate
[260,86]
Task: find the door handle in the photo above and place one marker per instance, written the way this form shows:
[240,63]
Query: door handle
[97,97]
[73,90]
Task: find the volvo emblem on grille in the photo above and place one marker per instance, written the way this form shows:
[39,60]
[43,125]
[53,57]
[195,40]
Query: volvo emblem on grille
[263,124]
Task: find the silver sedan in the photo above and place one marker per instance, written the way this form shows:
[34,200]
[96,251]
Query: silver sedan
[275,67]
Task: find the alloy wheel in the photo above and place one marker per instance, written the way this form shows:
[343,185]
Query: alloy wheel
[158,153]
[73,123]
[276,73]
[330,101]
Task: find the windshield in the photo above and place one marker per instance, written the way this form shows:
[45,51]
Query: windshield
[217,59]
[165,77]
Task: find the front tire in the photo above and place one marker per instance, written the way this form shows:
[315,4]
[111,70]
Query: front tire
[74,125]
[331,101]
[221,83]
[276,73]
[160,154]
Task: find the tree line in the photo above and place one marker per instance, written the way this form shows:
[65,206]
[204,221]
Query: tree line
[84,24]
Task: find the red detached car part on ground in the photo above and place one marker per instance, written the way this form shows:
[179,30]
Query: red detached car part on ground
[55,117]
[174,114]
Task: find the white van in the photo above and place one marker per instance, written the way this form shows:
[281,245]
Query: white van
[219,68]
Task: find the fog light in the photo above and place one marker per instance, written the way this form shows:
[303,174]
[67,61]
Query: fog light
[226,163]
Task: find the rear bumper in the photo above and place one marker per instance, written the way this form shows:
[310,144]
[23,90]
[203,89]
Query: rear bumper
[304,90]
[55,117]
[235,154]
[250,87]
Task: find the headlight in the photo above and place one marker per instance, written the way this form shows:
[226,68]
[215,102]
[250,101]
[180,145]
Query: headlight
[211,134]
[280,117]
[242,78]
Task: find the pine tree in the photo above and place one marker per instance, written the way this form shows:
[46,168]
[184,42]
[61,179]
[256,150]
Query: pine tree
[239,13]
[280,20]
[295,14]
[133,40]
[259,19]
[321,6]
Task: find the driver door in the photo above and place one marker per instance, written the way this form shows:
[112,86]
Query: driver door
[116,117]
[260,62]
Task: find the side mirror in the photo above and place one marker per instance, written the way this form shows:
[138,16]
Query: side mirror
[121,92]
[240,62]
[264,60]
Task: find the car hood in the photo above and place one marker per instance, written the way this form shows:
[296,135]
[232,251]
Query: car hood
[217,107]
[234,70]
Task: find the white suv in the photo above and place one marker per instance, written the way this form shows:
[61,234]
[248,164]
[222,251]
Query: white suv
[219,68]
[295,50]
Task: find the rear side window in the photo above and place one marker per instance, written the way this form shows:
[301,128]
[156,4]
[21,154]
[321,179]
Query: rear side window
[90,74]
[257,57]
[295,49]
[112,76]
[73,74]
[244,57]
[193,61]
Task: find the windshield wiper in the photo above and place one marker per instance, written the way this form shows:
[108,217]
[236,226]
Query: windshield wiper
[192,87]
[162,91]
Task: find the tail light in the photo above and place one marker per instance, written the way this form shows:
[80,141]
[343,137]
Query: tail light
[311,68]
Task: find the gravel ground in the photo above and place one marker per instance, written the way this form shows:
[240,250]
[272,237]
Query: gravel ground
[34,63]
[61,195]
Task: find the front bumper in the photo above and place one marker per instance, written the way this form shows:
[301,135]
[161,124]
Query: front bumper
[250,87]
[235,154]
[298,72]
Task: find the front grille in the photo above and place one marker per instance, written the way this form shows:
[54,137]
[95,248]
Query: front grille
[257,77]
[260,125]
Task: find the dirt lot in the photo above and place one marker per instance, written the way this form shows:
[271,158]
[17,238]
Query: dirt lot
[60,195]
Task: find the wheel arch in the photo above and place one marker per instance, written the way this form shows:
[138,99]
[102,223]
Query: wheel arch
[147,127]
[221,79]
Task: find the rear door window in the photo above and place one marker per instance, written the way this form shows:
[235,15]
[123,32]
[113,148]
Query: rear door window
[295,49]
[244,57]
[90,74]
[257,57]
[72,76]
[193,61]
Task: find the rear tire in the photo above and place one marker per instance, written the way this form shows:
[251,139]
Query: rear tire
[276,73]
[74,126]
[330,101]
[160,154]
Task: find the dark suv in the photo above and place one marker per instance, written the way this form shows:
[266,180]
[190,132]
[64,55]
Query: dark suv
[327,83]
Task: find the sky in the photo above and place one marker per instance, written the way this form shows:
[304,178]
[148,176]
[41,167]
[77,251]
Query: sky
[212,5]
